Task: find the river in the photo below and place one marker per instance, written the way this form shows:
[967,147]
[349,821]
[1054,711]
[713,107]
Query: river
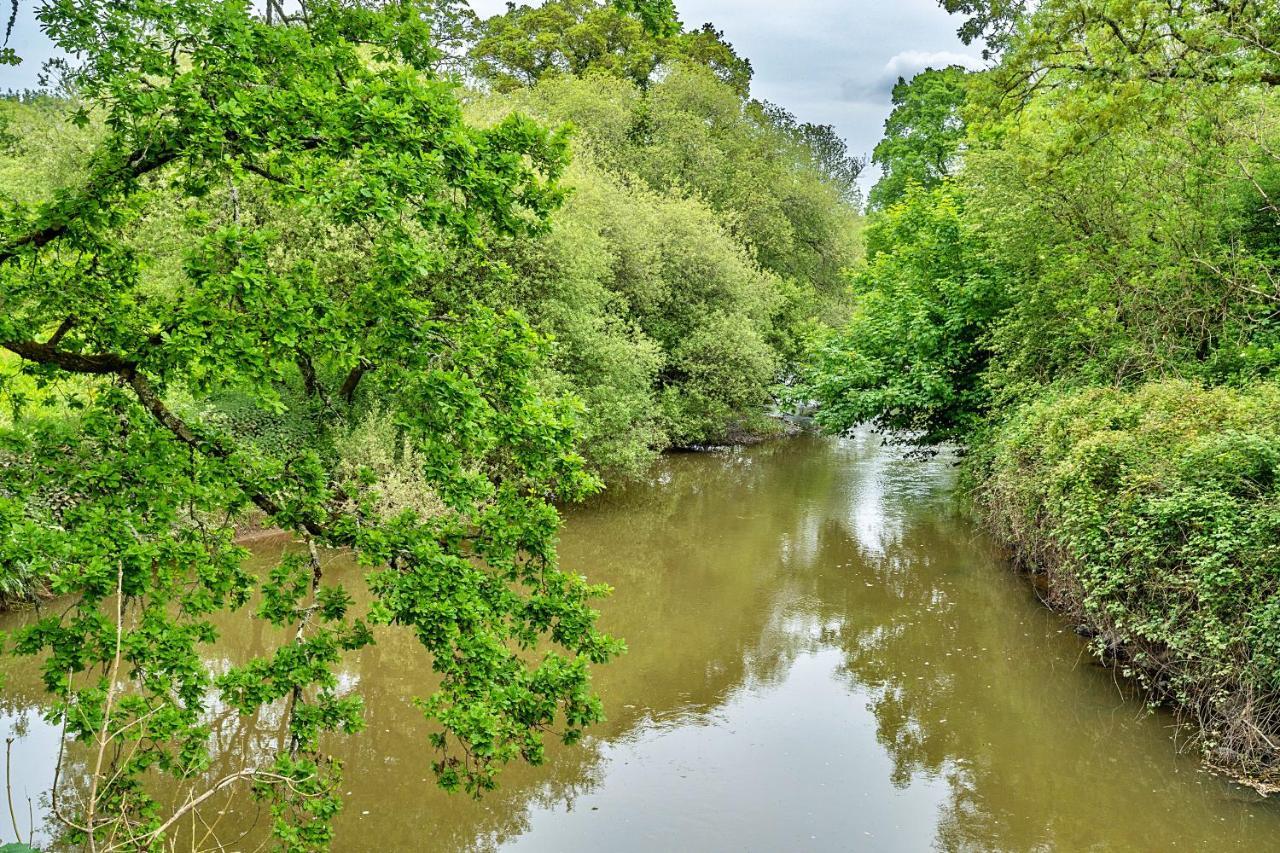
[824,655]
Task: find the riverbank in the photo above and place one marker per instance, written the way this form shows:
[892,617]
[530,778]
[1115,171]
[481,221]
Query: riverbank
[1153,519]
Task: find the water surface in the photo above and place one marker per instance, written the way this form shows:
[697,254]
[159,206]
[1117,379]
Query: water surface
[824,656]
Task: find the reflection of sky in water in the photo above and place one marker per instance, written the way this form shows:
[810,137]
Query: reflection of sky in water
[762,773]
[31,770]
[791,759]
[886,488]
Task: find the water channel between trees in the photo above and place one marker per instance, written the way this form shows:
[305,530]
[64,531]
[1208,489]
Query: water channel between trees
[823,655]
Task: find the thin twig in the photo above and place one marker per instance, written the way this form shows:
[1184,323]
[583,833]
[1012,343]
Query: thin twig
[106,711]
[8,786]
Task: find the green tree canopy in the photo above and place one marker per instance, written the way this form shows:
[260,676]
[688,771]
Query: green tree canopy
[991,21]
[1115,173]
[573,37]
[912,358]
[261,214]
[657,261]
[922,136]
[1105,43]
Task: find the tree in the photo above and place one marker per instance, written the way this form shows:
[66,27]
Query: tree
[693,211]
[1100,43]
[826,151]
[658,16]
[913,357]
[1039,261]
[203,250]
[993,21]
[574,37]
[922,136]
[452,30]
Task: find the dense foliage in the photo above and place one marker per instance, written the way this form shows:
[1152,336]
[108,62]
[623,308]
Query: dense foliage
[1074,255]
[913,357]
[923,136]
[277,265]
[577,37]
[1157,514]
[238,214]
[702,236]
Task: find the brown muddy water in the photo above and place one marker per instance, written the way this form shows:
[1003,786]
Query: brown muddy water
[824,656]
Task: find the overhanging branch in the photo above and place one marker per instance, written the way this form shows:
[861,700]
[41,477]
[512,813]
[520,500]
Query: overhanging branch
[99,364]
[56,219]
[107,364]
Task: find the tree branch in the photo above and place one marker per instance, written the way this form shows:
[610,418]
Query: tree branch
[61,332]
[310,382]
[194,803]
[266,174]
[105,364]
[99,364]
[182,431]
[57,217]
[348,390]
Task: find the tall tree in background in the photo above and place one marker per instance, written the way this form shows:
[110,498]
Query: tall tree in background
[452,26]
[709,335]
[827,152]
[573,37]
[990,21]
[1107,43]
[922,136]
[912,358]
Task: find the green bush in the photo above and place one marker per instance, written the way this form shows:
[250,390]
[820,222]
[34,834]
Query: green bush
[1156,514]
[376,448]
[725,368]
[703,236]
[1104,219]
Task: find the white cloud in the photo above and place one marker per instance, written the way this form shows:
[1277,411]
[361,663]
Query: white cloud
[911,62]
[906,65]
[829,61]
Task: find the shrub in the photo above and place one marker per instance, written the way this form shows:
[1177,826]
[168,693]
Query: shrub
[1156,515]
[375,448]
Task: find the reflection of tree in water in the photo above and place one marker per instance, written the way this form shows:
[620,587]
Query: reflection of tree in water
[694,563]
[668,549]
[971,682]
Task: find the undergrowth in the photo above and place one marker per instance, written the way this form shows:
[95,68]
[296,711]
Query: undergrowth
[1155,515]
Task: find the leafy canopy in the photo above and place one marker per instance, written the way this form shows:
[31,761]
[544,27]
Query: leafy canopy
[922,136]
[573,37]
[1114,180]
[1106,42]
[261,214]
[912,358]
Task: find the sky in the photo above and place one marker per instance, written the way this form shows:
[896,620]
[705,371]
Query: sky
[830,61]
[827,61]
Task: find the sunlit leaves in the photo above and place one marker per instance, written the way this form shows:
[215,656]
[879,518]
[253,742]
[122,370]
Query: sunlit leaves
[629,39]
[259,220]
[913,357]
[922,136]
